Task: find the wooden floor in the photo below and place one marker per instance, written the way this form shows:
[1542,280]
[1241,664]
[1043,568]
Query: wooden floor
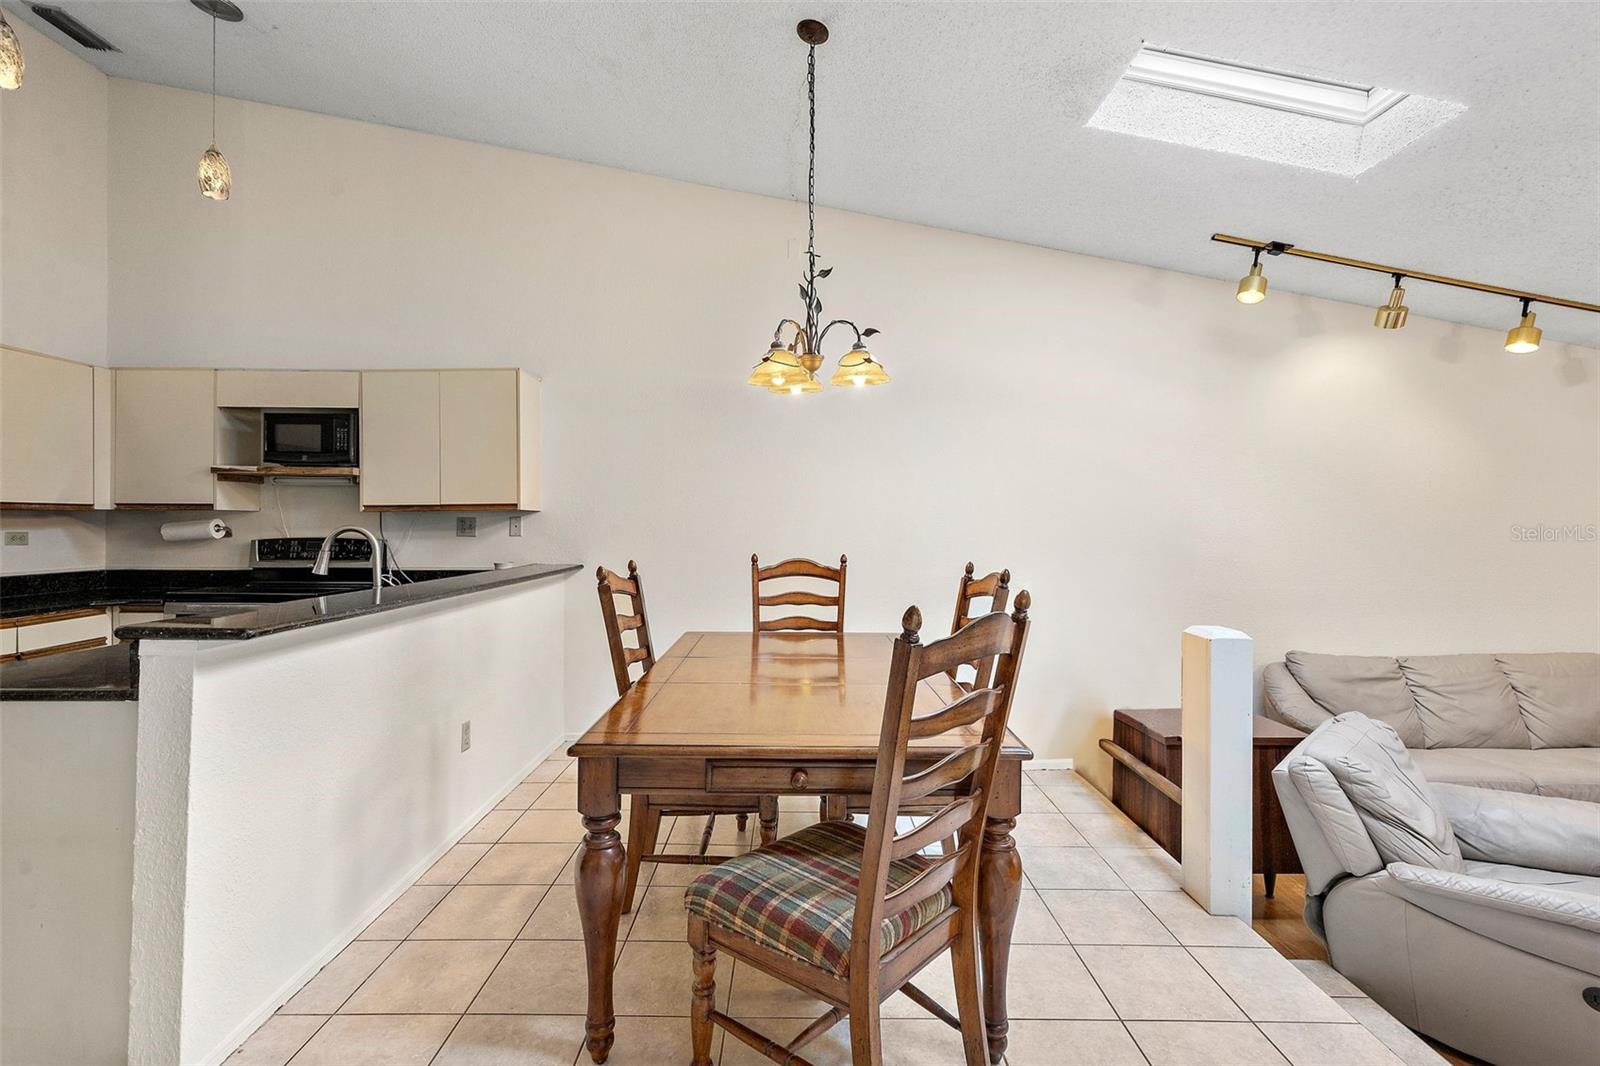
[1278,921]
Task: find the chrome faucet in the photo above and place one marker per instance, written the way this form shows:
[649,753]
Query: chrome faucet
[325,553]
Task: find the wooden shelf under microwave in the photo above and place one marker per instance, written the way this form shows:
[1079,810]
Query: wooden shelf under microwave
[261,473]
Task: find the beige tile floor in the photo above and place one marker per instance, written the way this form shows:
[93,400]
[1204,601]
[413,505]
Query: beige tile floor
[481,963]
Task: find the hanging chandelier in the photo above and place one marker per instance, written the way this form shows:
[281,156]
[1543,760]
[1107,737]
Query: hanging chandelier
[213,173]
[791,368]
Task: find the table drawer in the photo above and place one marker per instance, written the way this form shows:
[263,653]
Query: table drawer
[754,776]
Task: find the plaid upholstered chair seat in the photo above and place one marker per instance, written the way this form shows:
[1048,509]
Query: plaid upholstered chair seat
[798,896]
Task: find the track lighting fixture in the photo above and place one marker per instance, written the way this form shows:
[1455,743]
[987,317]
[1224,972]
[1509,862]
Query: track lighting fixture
[1524,337]
[10,56]
[1253,286]
[1521,339]
[1392,315]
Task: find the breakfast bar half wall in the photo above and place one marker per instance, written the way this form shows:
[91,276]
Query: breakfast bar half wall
[297,767]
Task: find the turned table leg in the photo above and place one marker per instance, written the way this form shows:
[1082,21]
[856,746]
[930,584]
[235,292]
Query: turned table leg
[999,890]
[599,886]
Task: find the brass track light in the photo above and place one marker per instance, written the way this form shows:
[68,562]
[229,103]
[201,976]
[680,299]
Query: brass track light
[1524,337]
[11,64]
[1253,286]
[1392,315]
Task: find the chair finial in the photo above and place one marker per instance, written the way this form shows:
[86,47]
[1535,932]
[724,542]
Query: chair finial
[1024,601]
[1005,578]
[970,569]
[910,622]
[633,568]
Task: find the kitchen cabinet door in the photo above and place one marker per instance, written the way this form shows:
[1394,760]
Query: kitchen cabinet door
[478,419]
[164,438]
[46,431]
[400,438]
[288,388]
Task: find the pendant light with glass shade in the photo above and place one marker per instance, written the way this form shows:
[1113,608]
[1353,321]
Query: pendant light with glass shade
[11,64]
[791,368]
[213,173]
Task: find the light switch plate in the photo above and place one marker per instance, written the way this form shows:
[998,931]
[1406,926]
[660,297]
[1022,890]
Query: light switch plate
[466,526]
[515,527]
[466,735]
[16,540]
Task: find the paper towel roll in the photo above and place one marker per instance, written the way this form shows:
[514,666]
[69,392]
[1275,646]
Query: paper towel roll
[213,529]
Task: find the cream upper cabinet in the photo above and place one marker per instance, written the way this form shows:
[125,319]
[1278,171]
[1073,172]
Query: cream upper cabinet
[47,431]
[164,438]
[400,438]
[288,388]
[457,440]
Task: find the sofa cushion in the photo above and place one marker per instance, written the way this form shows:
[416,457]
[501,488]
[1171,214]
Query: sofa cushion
[1571,773]
[1464,701]
[1559,696]
[1400,813]
[1285,701]
[1547,833]
[1359,684]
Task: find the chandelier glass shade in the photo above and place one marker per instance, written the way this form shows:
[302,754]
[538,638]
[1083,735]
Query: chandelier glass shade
[11,64]
[791,368]
[216,179]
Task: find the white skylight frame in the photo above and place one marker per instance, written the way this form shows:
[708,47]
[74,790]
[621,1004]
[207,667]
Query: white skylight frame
[1354,105]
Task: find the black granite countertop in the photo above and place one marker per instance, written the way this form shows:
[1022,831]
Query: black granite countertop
[25,594]
[108,673]
[298,614]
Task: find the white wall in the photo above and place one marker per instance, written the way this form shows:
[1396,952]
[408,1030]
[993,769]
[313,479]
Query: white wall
[290,787]
[66,819]
[53,229]
[1142,452]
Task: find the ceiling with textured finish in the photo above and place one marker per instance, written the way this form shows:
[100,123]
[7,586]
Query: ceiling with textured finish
[974,117]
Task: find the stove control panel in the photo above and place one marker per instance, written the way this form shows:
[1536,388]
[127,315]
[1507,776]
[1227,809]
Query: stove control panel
[302,551]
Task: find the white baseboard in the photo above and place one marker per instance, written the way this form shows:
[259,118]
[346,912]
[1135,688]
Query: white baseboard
[1048,764]
[286,991]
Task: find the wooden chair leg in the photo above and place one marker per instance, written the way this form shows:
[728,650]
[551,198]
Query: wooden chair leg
[969,991]
[769,819]
[644,825]
[705,987]
[705,834]
[866,1035]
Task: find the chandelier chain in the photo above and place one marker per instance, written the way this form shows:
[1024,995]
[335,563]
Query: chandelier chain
[811,195]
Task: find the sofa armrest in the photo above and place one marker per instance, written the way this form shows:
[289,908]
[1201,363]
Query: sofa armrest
[1521,829]
[1542,920]
[1285,701]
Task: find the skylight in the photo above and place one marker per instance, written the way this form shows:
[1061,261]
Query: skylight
[1249,110]
[1332,100]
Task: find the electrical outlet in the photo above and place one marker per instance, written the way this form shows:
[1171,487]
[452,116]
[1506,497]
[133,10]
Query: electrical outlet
[466,526]
[16,540]
[466,735]
[515,528]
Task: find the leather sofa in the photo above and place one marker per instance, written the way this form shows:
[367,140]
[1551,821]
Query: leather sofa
[1469,913]
[1517,723]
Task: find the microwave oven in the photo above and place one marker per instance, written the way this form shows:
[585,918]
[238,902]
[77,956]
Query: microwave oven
[309,438]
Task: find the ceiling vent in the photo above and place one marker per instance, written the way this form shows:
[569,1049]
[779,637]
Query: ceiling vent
[1241,109]
[73,29]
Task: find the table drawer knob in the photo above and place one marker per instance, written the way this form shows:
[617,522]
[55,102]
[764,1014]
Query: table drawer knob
[798,779]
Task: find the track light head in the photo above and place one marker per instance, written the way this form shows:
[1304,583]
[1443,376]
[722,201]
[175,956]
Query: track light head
[1253,286]
[1524,337]
[1392,315]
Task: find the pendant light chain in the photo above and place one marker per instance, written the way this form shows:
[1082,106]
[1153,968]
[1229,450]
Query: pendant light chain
[213,79]
[811,198]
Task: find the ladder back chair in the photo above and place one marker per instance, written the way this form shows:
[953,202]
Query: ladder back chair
[791,568]
[996,587]
[850,914]
[645,814]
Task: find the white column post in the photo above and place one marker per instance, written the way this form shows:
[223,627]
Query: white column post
[1217,734]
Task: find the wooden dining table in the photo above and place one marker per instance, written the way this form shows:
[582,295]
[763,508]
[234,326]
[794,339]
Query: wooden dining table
[770,714]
